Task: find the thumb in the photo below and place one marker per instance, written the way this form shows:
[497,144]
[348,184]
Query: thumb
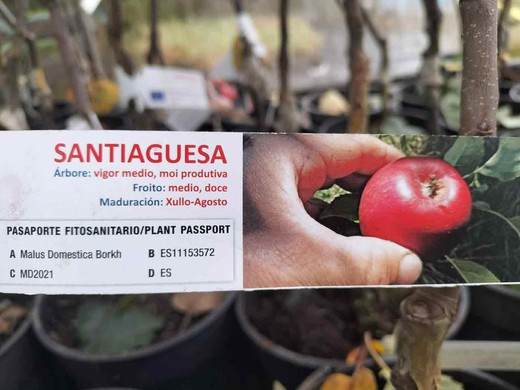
[372,261]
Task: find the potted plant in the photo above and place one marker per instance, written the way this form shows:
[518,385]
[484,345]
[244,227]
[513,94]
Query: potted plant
[464,379]
[136,340]
[295,332]
[19,350]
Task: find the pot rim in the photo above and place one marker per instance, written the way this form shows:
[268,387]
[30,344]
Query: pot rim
[70,353]
[503,289]
[22,329]
[314,362]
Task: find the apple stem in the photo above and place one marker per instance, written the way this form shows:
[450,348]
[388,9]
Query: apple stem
[433,187]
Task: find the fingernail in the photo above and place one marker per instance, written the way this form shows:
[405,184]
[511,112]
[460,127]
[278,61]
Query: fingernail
[409,269]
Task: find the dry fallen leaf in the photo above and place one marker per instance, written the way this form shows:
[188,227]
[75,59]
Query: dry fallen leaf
[353,355]
[197,303]
[363,379]
[333,103]
[11,317]
[337,382]
[278,386]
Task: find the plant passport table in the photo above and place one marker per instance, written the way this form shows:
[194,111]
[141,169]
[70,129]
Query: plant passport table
[147,212]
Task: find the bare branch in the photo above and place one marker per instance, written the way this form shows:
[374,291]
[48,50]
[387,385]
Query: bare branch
[381,41]
[87,35]
[238,6]
[155,56]
[502,33]
[430,75]
[359,68]
[115,36]
[70,57]
[288,114]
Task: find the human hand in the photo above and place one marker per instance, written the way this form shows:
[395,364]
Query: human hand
[283,245]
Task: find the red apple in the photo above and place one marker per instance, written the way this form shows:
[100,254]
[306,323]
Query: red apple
[416,202]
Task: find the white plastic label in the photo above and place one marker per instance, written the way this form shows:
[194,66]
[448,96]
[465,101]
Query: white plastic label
[113,212]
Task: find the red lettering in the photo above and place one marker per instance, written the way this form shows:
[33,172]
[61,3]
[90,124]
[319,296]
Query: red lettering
[218,154]
[75,153]
[63,156]
[204,154]
[189,154]
[136,154]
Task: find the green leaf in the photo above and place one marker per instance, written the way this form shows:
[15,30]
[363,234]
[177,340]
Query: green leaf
[465,154]
[344,206]
[472,272]
[481,205]
[107,329]
[329,194]
[506,118]
[515,221]
[450,107]
[504,165]
[512,223]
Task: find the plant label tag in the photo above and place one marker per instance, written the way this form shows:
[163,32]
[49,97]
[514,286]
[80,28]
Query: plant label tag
[114,212]
[144,212]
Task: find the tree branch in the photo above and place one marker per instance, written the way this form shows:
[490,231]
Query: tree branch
[430,75]
[502,34]
[383,48]
[359,68]
[287,109]
[115,36]
[70,57]
[155,56]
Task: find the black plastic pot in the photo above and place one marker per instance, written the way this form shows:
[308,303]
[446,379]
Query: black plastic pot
[471,379]
[150,367]
[309,103]
[290,367]
[494,316]
[116,122]
[20,355]
[416,112]
[338,125]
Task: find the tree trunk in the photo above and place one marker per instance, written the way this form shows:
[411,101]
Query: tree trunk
[430,75]
[381,41]
[428,312]
[238,6]
[115,36]
[87,35]
[426,316]
[287,109]
[70,57]
[155,56]
[252,70]
[479,96]
[359,69]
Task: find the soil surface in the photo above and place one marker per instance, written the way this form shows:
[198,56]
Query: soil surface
[61,313]
[325,323]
